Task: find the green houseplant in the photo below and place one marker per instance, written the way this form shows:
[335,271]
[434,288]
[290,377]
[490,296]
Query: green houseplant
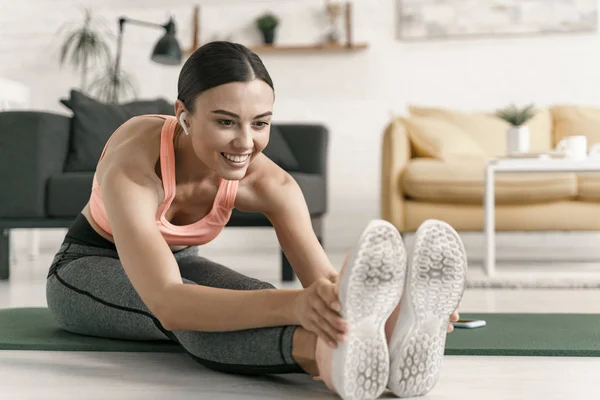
[267,23]
[516,116]
[517,135]
[112,87]
[84,45]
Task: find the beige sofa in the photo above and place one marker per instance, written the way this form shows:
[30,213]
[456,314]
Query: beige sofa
[433,166]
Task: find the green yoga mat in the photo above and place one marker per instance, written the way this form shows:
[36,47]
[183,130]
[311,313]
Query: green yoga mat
[565,335]
[35,329]
[505,335]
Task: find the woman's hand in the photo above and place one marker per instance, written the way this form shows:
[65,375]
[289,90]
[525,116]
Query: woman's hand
[317,309]
[453,318]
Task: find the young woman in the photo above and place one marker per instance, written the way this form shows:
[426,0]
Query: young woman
[128,267]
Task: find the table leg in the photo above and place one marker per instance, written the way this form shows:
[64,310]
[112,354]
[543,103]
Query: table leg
[489,222]
[4,254]
[34,248]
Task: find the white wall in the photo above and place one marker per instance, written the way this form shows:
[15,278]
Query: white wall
[353,94]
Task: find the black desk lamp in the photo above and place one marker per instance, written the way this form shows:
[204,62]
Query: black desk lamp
[166,51]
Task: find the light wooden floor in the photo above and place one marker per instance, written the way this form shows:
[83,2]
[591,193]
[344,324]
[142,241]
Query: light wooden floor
[74,375]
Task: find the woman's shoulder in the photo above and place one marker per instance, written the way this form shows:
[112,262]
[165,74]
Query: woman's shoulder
[263,171]
[263,180]
[139,130]
[135,144]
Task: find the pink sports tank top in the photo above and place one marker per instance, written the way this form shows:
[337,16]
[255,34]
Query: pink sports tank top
[199,232]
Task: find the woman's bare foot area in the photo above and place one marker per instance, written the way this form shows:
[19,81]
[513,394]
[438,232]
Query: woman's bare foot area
[313,355]
[323,356]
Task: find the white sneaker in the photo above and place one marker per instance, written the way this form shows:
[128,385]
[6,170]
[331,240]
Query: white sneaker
[370,288]
[433,289]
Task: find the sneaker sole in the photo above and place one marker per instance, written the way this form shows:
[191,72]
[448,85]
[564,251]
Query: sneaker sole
[370,289]
[433,289]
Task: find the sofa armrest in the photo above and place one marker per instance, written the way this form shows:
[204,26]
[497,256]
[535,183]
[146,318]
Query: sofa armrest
[309,144]
[33,146]
[395,157]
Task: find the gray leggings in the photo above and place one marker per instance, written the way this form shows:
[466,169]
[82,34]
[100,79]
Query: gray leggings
[89,293]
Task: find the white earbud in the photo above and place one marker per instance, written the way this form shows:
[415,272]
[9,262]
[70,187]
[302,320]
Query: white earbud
[182,122]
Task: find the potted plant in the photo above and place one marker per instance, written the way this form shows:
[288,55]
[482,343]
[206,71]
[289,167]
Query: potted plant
[112,87]
[84,45]
[517,136]
[267,23]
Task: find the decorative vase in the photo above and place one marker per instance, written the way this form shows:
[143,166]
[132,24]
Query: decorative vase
[269,36]
[517,139]
[334,12]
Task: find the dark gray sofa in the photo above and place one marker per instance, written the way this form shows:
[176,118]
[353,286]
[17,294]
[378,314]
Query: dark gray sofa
[37,190]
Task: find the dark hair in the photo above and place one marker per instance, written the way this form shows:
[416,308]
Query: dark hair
[217,63]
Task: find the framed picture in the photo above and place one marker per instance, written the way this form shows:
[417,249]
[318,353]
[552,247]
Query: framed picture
[440,19]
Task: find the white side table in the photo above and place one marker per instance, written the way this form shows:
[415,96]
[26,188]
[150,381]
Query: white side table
[16,96]
[501,165]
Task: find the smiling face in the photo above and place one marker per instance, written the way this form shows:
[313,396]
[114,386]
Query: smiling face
[230,125]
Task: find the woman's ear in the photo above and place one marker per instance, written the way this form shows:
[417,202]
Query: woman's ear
[183,122]
[182,116]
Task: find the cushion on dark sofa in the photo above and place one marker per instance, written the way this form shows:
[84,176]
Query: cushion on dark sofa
[314,189]
[93,122]
[68,193]
[279,151]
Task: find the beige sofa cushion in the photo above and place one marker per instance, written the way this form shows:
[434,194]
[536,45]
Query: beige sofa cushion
[438,138]
[489,131]
[572,120]
[589,186]
[567,215]
[428,179]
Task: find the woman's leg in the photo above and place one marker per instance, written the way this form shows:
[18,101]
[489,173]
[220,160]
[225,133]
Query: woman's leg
[252,351]
[89,293]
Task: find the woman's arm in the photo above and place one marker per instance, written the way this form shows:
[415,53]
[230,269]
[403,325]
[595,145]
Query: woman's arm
[207,309]
[284,205]
[131,199]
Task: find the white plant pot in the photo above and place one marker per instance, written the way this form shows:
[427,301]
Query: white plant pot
[517,139]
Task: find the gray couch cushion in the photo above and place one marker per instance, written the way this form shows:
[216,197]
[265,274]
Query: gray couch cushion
[279,151]
[314,189]
[33,147]
[68,193]
[93,123]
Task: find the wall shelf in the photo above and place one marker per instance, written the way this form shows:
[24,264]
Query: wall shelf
[278,48]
